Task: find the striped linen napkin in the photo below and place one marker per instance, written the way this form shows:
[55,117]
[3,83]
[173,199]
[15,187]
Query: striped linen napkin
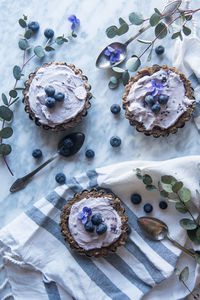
[38,264]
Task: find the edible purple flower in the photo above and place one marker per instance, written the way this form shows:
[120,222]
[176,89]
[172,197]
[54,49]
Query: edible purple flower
[112,54]
[155,88]
[83,216]
[74,20]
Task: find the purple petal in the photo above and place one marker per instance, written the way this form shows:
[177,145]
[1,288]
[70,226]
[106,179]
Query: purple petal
[80,215]
[77,21]
[155,92]
[85,208]
[111,49]
[153,82]
[73,26]
[107,52]
[119,51]
[89,211]
[112,59]
[117,56]
[150,89]
[84,220]
[160,86]
[72,18]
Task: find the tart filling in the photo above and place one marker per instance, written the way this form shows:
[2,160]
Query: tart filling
[164,82]
[92,240]
[63,80]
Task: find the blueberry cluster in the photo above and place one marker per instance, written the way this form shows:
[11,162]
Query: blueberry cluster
[137,199]
[156,102]
[96,220]
[52,97]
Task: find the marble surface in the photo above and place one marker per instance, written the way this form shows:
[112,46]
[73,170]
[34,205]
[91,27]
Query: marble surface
[100,124]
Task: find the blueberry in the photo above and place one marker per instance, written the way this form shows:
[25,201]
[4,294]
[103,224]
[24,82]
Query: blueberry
[148,208]
[115,109]
[60,178]
[49,90]
[162,99]
[136,198]
[129,230]
[164,79]
[89,153]
[89,226]
[115,141]
[101,228]
[163,204]
[68,143]
[160,50]
[59,97]
[97,219]
[37,153]
[64,151]
[34,26]
[49,33]
[156,108]
[149,100]
[50,102]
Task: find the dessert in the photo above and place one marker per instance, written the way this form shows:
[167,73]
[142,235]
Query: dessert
[57,96]
[93,223]
[159,100]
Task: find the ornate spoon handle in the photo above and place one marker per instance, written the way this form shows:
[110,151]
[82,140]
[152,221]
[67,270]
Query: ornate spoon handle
[20,183]
[180,246]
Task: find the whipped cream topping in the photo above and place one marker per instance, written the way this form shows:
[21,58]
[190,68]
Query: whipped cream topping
[170,112]
[87,240]
[65,81]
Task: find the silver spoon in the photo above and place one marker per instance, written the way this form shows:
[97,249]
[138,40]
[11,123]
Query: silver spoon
[103,62]
[77,139]
[157,230]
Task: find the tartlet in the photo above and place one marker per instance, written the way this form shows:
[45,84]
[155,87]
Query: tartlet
[65,79]
[91,243]
[157,80]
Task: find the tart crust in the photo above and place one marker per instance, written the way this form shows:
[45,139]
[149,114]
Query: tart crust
[69,123]
[156,131]
[97,252]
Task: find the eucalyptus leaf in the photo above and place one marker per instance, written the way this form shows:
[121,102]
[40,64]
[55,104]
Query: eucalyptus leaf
[73,34]
[175,200]
[49,48]
[38,50]
[113,85]
[66,40]
[177,271]
[28,34]
[25,17]
[140,177]
[59,40]
[17,72]
[114,80]
[175,35]
[14,101]
[192,234]
[185,194]
[188,17]
[22,23]
[6,132]
[198,234]
[168,179]
[4,98]
[13,93]
[180,208]
[133,64]
[154,20]
[197,256]
[122,21]
[111,31]
[5,149]
[167,187]
[5,113]
[157,11]
[150,54]
[147,179]
[123,29]
[23,44]
[138,171]
[144,41]
[118,70]
[164,194]
[184,275]
[136,18]
[125,78]
[160,30]
[177,186]
[186,30]
[188,224]
[151,188]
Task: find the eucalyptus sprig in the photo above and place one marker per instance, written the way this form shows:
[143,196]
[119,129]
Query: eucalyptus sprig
[183,277]
[175,191]
[24,43]
[161,24]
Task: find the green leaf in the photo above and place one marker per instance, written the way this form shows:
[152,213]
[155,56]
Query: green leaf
[197,256]
[113,83]
[164,194]
[4,98]
[181,208]
[19,89]
[186,30]
[22,23]
[136,18]
[133,64]
[123,29]
[13,93]
[38,50]
[66,40]
[144,41]
[168,179]
[150,54]
[192,234]
[25,17]
[188,224]
[140,177]
[184,275]
[167,187]
[5,149]
[5,113]
[176,271]
[17,72]
[161,27]
[59,40]
[138,171]
[49,48]
[151,188]
[177,186]
[111,31]
[73,34]
[147,179]
[122,21]
[174,200]
[118,70]
[175,35]
[14,101]
[125,78]
[28,34]
[114,80]
[154,20]
[23,44]
[185,194]
[188,17]
[6,132]
[157,11]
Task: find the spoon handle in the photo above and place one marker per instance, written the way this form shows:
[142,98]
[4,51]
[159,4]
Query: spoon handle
[20,183]
[137,34]
[180,246]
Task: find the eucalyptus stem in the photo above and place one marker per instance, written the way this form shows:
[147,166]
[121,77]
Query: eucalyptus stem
[191,293]
[185,206]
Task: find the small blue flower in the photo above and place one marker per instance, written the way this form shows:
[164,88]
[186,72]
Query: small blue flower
[74,20]
[83,216]
[112,54]
[155,88]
